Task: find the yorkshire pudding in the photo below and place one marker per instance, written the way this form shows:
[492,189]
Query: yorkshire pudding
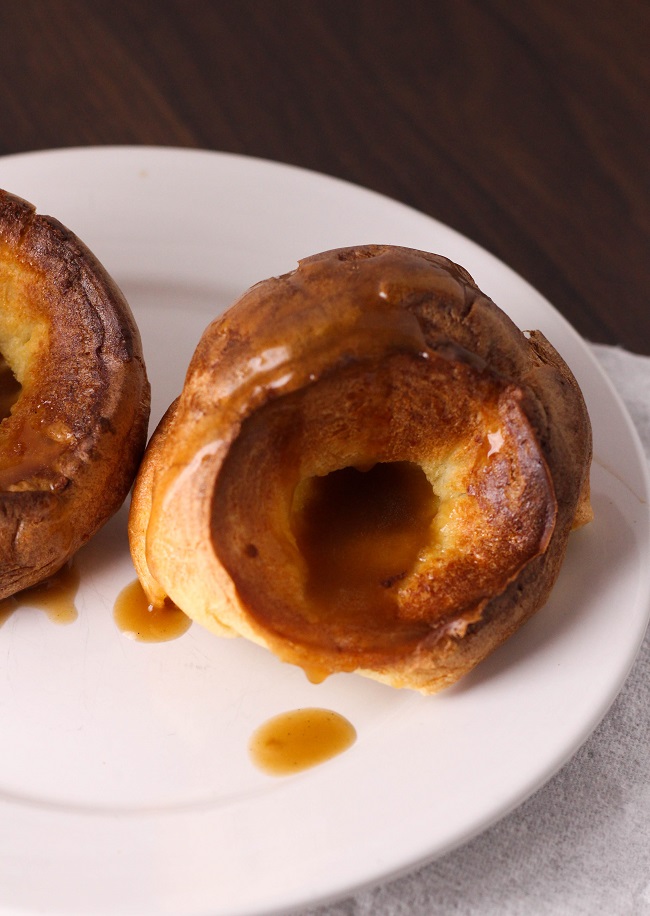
[75,396]
[369,469]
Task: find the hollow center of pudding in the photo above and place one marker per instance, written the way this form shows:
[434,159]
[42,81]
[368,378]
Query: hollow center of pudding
[327,504]
[354,516]
[10,388]
[360,532]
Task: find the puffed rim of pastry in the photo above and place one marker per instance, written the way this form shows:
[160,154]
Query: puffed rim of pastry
[207,530]
[71,445]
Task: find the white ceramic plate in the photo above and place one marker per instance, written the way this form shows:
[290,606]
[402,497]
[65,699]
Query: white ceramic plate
[125,782]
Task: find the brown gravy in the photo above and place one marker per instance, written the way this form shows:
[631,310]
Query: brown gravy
[9,389]
[56,596]
[144,622]
[360,532]
[300,739]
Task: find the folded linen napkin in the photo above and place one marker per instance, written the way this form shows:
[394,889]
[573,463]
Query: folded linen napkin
[581,844]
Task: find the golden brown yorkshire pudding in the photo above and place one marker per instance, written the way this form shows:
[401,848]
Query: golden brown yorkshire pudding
[75,396]
[370,469]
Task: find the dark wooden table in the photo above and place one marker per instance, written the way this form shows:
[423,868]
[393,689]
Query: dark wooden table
[526,126]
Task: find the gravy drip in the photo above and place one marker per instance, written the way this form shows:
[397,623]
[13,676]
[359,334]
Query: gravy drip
[299,739]
[56,596]
[145,622]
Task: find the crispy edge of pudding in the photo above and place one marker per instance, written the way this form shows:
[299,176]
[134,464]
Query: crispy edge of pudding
[361,358]
[73,438]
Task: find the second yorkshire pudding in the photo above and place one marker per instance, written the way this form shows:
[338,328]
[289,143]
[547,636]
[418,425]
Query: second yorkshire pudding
[370,469]
[75,395]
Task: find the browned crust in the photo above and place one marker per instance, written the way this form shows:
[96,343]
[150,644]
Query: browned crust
[284,337]
[70,449]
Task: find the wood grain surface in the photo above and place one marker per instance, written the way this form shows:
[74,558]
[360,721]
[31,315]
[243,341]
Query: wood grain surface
[524,125]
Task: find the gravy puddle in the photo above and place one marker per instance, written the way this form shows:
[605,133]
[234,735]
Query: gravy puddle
[139,620]
[56,596]
[300,739]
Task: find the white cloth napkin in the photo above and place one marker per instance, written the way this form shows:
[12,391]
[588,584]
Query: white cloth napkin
[581,844]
